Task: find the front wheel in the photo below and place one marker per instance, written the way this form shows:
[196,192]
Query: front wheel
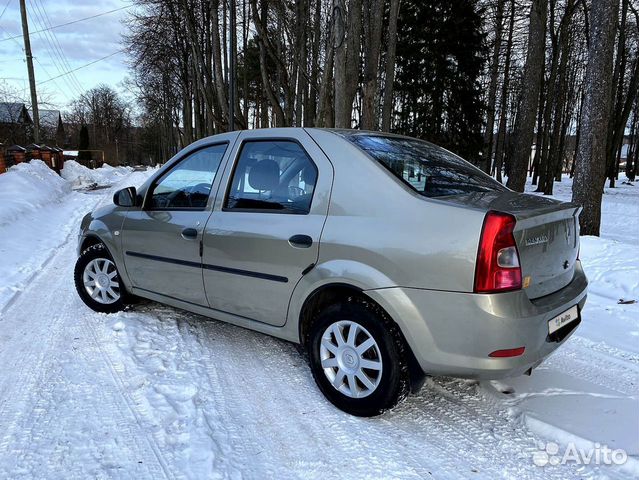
[357,357]
[98,282]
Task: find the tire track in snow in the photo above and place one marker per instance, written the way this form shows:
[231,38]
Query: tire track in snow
[128,400]
[256,365]
[50,396]
[53,395]
[578,359]
[486,430]
[266,418]
[629,359]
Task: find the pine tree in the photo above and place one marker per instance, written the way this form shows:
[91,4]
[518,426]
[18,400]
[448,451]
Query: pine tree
[84,144]
[440,56]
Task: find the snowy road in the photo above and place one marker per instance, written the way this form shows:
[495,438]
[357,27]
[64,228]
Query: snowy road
[154,392]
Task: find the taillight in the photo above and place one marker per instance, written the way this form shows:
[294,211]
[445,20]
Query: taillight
[497,268]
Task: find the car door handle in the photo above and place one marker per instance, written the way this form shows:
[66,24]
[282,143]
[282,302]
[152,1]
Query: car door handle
[189,234]
[300,241]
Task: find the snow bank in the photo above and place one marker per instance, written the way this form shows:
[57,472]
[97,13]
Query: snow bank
[27,187]
[24,249]
[80,176]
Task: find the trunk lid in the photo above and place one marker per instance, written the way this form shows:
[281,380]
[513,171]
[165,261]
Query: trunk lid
[546,233]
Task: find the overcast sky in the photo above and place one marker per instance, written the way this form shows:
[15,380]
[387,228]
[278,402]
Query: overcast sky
[81,43]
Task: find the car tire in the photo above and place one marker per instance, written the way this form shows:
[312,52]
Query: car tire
[98,281]
[342,373]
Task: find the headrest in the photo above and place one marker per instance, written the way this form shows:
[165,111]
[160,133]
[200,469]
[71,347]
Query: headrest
[264,175]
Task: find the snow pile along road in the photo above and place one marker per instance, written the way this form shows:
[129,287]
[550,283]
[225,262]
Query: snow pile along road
[39,213]
[80,176]
[153,392]
[27,187]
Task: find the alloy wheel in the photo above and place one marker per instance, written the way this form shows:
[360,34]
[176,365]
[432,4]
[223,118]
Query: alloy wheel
[351,359]
[101,281]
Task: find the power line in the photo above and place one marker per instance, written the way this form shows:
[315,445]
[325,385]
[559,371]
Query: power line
[69,23]
[65,59]
[55,60]
[35,58]
[53,45]
[5,9]
[55,50]
[82,66]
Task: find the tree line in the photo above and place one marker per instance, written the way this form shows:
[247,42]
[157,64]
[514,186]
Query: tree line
[518,87]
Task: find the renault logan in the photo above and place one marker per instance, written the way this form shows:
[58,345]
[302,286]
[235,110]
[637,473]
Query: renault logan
[386,257]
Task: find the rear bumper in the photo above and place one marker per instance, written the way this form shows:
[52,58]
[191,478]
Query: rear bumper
[452,333]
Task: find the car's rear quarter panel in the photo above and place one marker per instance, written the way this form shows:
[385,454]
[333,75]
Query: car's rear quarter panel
[380,234]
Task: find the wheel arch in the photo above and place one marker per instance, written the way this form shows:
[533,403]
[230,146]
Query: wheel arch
[323,296]
[329,294]
[90,240]
[102,235]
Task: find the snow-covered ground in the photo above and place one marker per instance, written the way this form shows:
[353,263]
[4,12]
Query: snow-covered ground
[39,213]
[154,392]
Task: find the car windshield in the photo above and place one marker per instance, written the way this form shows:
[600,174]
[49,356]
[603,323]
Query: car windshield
[426,168]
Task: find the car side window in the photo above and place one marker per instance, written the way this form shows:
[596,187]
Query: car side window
[272,176]
[188,184]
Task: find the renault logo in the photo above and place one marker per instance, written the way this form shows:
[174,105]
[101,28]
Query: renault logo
[538,240]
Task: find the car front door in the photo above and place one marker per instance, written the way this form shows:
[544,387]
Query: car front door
[161,241]
[264,232]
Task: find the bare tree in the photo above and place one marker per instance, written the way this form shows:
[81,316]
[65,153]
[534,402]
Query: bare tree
[348,38]
[492,88]
[372,49]
[524,127]
[591,156]
[391,57]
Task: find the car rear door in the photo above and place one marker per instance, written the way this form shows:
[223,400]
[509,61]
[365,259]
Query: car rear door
[264,232]
[161,241]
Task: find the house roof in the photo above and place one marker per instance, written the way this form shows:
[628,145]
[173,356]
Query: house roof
[32,147]
[16,148]
[13,113]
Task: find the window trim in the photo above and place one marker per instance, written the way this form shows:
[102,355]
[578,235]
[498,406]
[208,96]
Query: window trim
[236,162]
[149,194]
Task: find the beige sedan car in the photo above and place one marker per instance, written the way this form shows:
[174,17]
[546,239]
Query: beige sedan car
[387,257]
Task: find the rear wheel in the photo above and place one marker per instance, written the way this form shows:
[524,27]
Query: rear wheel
[357,358]
[98,282]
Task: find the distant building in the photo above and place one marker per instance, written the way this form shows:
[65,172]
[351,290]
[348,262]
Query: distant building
[16,126]
[51,127]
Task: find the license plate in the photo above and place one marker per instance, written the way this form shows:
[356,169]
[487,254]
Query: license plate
[563,319]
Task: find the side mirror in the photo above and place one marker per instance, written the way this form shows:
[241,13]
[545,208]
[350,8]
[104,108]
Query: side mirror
[125,197]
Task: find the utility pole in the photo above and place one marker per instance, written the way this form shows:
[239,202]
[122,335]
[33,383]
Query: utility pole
[233,49]
[32,84]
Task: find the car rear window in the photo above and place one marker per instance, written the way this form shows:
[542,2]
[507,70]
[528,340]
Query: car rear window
[426,168]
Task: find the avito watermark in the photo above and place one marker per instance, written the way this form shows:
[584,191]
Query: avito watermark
[550,454]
